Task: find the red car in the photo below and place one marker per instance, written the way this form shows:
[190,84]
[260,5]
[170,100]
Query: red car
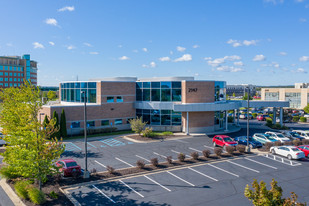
[223,140]
[68,166]
[305,149]
[262,117]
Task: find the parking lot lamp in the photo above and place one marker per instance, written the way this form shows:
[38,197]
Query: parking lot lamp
[248,99]
[86,173]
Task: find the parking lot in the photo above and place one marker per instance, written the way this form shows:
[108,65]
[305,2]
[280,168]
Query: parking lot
[209,183]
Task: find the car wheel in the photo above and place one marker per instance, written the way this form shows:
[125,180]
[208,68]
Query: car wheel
[273,151]
[215,144]
[289,157]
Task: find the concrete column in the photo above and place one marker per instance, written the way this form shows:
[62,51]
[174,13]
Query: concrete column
[226,121]
[281,116]
[274,115]
[237,117]
[187,125]
[234,116]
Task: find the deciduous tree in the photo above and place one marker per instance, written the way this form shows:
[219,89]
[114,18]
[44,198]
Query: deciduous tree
[137,125]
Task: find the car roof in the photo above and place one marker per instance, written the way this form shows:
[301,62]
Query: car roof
[304,145]
[68,160]
[222,136]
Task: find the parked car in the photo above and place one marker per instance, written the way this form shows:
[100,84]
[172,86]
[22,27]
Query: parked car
[223,141]
[262,117]
[302,133]
[263,138]
[291,152]
[292,135]
[252,142]
[68,167]
[306,115]
[244,116]
[305,149]
[2,142]
[278,136]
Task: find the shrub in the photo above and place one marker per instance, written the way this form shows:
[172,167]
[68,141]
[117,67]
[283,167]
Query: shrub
[268,145]
[167,133]
[36,196]
[194,155]
[288,143]
[278,143]
[303,119]
[8,173]
[297,142]
[140,164]
[254,115]
[93,171]
[230,119]
[241,148]
[295,118]
[53,195]
[21,188]
[169,159]
[137,125]
[305,141]
[218,151]
[269,122]
[230,149]
[181,157]
[206,153]
[154,162]
[147,132]
[110,169]
[276,126]
[271,115]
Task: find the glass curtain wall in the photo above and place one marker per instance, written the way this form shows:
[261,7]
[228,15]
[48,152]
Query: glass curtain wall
[71,92]
[158,91]
[294,99]
[270,96]
[159,117]
[220,91]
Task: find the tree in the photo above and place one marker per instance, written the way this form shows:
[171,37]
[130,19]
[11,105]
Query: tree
[261,196]
[57,126]
[306,109]
[246,96]
[234,94]
[137,125]
[29,154]
[51,95]
[63,124]
[45,121]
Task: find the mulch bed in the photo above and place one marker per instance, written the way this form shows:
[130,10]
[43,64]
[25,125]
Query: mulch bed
[162,138]
[53,184]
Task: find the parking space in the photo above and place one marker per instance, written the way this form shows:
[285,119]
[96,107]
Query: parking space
[162,186]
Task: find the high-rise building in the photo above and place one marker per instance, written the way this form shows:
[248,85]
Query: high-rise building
[15,69]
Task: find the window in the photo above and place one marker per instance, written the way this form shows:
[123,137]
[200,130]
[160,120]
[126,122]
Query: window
[110,99]
[75,125]
[270,96]
[11,68]
[155,94]
[92,96]
[90,123]
[128,120]
[11,74]
[1,73]
[118,121]
[119,99]
[19,74]
[165,84]
[146,84]
[104,122]
[15,79]
[146,95]
[155,84]
[6,79]
[6,74]
[165,95]
[176,95]
[6,68]
[1,79]
[15,74]
[11,79]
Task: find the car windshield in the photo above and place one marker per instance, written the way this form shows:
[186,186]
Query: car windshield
[295,149]
[71,164]
[268,137]
[280,135]
[227,139]
[294,134]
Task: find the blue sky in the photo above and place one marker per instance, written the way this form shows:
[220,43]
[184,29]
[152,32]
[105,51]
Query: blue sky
[262,42]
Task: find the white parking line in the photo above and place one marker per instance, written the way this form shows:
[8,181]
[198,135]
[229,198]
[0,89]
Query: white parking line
[202,174]
[180,178]
[244,167]
[178,140]
[260,163]
[91,145]
[195,149]
[100,191]
[123,162]
[131,188]
[157,183]
[100,164]
[208,147]
[223,170]
[161,155]
[284,161]
[179,153]
[142,158]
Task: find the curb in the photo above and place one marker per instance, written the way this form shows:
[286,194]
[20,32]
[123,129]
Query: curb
[159,140]
[11,194]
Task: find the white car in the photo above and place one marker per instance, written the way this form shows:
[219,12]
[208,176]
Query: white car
[302,133]
[291,152]
[278,136]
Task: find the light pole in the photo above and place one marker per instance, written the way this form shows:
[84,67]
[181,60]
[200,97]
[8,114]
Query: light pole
[248,98]
[86,173]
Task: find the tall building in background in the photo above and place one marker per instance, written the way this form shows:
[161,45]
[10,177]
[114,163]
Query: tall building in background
[15,69]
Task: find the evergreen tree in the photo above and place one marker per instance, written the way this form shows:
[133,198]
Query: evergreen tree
[56,118]
[46,121]
[63,125]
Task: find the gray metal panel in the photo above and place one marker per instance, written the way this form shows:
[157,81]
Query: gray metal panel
[266,103]
[154,105]
[200,107]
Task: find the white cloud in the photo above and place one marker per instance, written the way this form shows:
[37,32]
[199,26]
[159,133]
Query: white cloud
[124,58]
[249,42]
[145,49]
[238,43]
[259,57]
[145,66]
[51,43]
[232,58]
[299,1]
[207,58]
[67,8]
[152,64]
[234,43]
[302,20]
[135,50]
[87,44]
[51,21]
[300,70]
[216,62]
[240,63]
[276,65]
[229,69]
[304,58]
[184,58]
[195,46]
[274,1]
[165,59]
[37,45]
[94,53]
[181,49]
[283,53]
[70,47]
